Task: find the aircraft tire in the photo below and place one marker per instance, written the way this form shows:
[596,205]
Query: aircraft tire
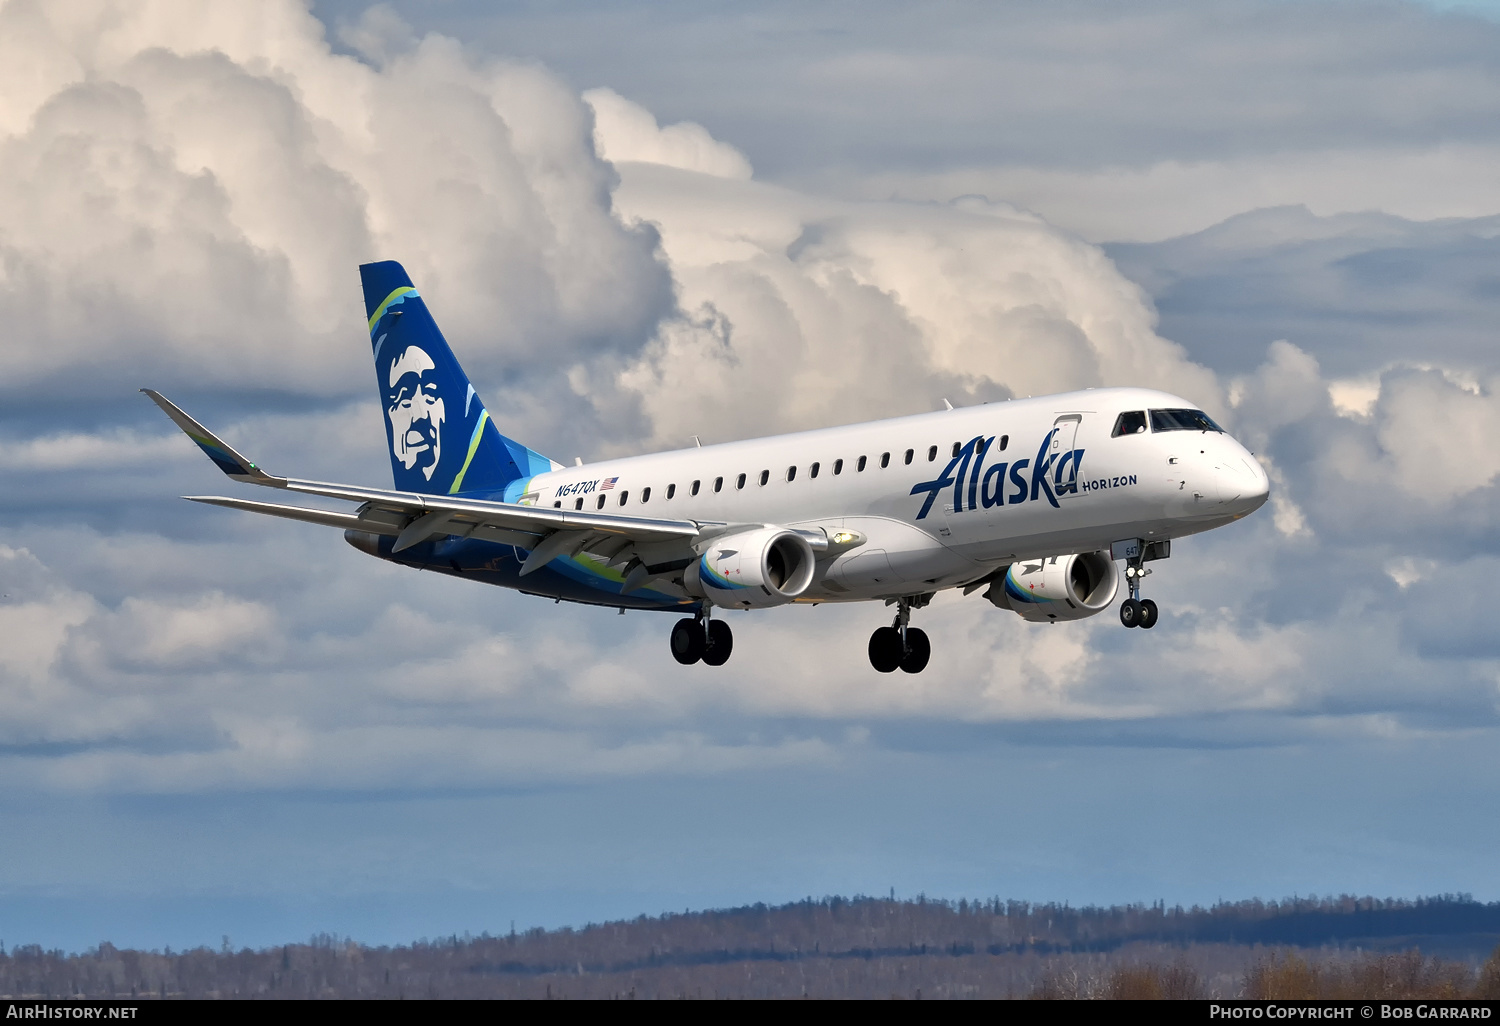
[918,651]
[720,643]
[1148,614]
[1130,613]
[885,649]
[688,642]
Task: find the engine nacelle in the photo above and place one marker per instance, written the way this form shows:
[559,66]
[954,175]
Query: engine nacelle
[1057,587]
[765,567]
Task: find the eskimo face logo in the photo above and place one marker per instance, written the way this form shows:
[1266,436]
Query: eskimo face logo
[416,411]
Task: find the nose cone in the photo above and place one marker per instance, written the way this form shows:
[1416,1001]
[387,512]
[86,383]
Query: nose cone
[1243,485]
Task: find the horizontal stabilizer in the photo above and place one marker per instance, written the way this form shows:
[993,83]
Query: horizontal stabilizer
[414,518]
[464,511]
[326,517]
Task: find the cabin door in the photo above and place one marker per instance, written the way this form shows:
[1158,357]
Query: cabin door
[1065,457]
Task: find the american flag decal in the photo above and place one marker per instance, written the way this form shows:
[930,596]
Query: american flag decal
[609,482]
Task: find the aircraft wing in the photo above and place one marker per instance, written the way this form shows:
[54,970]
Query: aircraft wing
[413,518]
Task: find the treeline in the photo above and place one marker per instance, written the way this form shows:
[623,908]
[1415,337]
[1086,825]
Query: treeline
[859,947]
[1288,976]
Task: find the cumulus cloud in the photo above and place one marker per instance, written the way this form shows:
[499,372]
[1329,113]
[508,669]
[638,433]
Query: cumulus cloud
[626,132]
[76,450]
[1166,198]
[176,688]
[188,190]
[1378,392]
[1437,435]
[193,632]
[802,312]
[37,615]
[1360,292]
[1144,121]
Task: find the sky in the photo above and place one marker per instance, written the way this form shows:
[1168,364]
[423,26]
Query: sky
[640,222]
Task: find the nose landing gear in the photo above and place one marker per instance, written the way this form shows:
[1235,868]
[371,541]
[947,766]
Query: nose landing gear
[1136,611]
[698,637]
[900,646]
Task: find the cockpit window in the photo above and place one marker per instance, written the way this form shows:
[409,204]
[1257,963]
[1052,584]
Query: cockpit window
[1132,423]
[1182,420]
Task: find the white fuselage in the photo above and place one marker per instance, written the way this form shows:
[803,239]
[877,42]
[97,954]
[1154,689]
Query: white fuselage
[1094,489]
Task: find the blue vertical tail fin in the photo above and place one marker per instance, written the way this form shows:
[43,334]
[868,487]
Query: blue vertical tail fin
[441,438]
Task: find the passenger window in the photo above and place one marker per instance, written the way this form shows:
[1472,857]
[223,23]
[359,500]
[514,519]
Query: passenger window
[579,503]
[671,491]
[557,504]
[1004,441]
[741,482]
[791,473]
[601,501]
[909,454]
[623,496]
[931,453]
[861,467]
[695,487]
[645,495]
[812,471]
[1132,423]
[838,468]
[885,460]
[956,448]
[719,483]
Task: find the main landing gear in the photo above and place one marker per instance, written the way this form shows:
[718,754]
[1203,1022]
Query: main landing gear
[899,645]
[698,637]
[1136,611]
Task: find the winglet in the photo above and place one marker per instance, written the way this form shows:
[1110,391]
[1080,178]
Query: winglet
[229,461]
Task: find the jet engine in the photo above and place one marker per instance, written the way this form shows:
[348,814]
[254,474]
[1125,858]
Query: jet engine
[1057,587]
[751,569]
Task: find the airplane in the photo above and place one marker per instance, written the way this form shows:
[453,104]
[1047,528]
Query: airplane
[1033,500]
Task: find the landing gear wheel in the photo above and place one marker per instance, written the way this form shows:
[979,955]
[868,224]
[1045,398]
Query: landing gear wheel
[886,650]
[918,651]
[1131,613]
[1148,614]
[720,643]
[688,641]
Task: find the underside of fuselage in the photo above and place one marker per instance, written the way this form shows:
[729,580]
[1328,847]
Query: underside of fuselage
[579,579]
[591,581]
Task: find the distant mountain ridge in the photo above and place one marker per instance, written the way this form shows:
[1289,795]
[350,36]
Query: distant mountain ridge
[835,946]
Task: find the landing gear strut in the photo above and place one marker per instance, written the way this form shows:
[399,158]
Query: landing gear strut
[698,637]
[1136,611]
[899,645]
